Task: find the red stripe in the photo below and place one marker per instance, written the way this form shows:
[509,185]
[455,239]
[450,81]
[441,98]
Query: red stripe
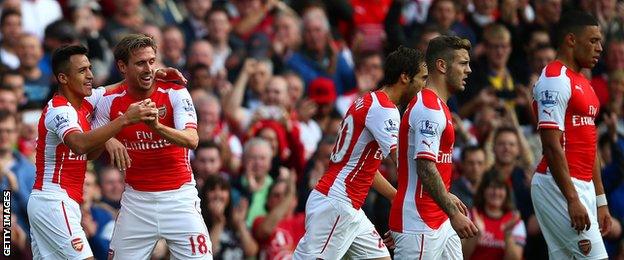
[427,156]
[422,245]
[330,234]
[66,220]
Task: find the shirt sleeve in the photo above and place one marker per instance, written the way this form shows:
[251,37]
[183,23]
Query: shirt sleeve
[428,126]
[383,123]
[62,121]
[96,96]
[519,233]
[551,96]
[184,115]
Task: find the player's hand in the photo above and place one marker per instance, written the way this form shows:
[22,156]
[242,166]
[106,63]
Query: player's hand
[459,204]
[140,111]
[604,220]
[118,154]
[170,75]
[389,240]
[578,216]
[463,226]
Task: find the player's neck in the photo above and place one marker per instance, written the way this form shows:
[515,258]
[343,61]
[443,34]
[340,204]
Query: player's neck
[137,92]
[394,93]
[437,85]
[74,100]
[568,60]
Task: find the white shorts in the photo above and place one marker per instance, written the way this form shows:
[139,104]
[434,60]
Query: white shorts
[551,210]
[146,217]
[55,227]
[443,243]
[335,229]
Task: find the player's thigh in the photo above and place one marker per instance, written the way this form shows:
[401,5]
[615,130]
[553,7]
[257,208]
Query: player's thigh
[418,246]
[368,244]
[452,247]
[136,230]
[330,229]
[182,226]
[552,215]
[56,230]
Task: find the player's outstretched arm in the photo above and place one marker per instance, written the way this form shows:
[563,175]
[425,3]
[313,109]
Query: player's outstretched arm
[558,165]
[83,143]
[381,185]
[432,183]
[604,217]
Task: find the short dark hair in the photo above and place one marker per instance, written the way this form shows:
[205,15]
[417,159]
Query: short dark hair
[572,21]
[8,12]
[505,129]
[130,43]
[365,55]
[403,60]
[61,56]
[209,144]
[443,47]
[470,149]
[6,114]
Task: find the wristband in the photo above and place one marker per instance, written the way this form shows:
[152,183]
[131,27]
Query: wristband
[601,200]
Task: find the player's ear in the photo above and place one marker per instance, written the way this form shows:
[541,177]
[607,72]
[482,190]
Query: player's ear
[404,78]
[62,78]
[570,39]
[121,66]
[441,65]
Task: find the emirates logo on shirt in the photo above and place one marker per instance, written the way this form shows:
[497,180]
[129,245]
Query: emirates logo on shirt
[77,244]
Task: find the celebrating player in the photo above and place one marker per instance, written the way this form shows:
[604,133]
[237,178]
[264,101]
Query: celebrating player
[567,192]
[65,142]
[423,209]
[335,223]
[160,200]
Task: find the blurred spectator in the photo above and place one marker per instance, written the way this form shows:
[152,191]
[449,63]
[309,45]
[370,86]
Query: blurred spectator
[279,232]
[223,41]
[315,168]
[472,169]
[231,239]
[318,56]
[322,91]
[539,57]
[98,222]
[368,18]
[15,81]
[8,99]
[304,109]
[11,29]
[286,38]
[610,146]
[200,52]
[194,26]
[208,161]
[547,13]
[254,182]
[112,186]
[36,82]
[27,133]
[485,13]
[36,15]
[166,11]
[255,16]
[445,15]
[614,60]
[173,47]
[211,126]
[126,19]
[57,34]
[17,173]
[368,73]
[502,234]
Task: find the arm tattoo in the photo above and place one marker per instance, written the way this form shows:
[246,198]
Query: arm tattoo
[433,185]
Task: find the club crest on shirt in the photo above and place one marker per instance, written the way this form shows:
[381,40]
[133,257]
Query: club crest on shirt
[428,128]
[187,104]
[585,246]
[61,119]
[548,98]
[391,125]
[77,244]
[162,111]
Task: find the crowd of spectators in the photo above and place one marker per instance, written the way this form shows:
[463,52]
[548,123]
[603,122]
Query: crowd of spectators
[270,81]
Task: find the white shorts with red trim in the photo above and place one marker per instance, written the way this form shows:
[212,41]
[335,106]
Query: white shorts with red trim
[146,217]
[443,243]
[55,227]
[551,210]
[335,229]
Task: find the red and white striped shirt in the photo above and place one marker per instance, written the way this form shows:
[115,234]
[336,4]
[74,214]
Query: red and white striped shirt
[426,133]
[157,164]
[59,170]
[367,135]
[565,100]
